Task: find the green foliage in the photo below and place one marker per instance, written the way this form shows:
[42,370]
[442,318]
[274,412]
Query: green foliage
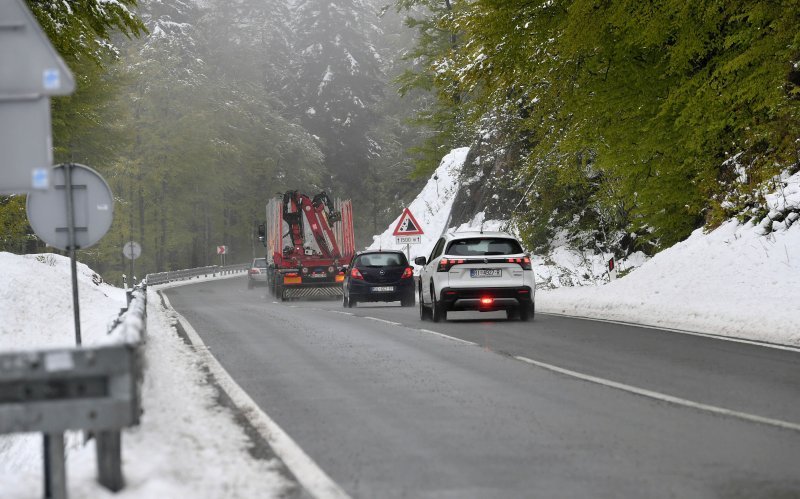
[15,234]
[657,96]
[82,29]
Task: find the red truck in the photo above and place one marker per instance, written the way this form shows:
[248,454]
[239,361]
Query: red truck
[308,241]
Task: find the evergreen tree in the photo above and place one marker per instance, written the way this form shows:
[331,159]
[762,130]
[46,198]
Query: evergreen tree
[338,81]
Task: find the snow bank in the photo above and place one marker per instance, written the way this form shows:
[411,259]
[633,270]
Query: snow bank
[733,281]
[431,208]
[186,445]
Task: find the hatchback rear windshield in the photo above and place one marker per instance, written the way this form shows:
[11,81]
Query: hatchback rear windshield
[260,263]
[382,260]
[483,246]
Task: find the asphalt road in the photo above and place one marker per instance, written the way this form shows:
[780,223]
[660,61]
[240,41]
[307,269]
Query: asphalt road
[390,410]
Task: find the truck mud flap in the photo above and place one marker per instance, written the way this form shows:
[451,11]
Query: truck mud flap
[329,291]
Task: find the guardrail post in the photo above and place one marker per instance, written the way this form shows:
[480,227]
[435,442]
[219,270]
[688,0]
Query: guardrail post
[109,459]
[55,473]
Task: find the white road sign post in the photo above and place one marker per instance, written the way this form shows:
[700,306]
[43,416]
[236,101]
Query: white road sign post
[31,72]
[132,250]
[222,251]
[408,231]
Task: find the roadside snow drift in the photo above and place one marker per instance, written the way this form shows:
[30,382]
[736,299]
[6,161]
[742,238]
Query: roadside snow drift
[186,445]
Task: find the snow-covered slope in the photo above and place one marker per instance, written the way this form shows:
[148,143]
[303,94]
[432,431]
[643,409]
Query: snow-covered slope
[734,281]
[431,208]
[738,280]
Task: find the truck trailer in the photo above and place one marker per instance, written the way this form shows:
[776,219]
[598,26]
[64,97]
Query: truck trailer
[308,240]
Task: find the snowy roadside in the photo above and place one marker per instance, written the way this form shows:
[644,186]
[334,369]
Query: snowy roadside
[187,445]
[730,282]
[737,280]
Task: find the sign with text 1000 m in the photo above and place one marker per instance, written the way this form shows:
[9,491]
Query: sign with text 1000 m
[408,230]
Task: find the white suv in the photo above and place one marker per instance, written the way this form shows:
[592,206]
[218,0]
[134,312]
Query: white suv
[484,271]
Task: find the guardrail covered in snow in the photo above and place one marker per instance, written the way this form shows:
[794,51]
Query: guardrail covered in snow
[181,275]
[92,388]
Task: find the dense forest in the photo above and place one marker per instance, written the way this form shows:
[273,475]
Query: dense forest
[619,126]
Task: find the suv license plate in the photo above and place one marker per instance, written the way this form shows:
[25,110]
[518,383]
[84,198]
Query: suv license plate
[383,288]
[485,272]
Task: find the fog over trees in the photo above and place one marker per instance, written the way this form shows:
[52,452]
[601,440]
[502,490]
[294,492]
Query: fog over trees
[617,126]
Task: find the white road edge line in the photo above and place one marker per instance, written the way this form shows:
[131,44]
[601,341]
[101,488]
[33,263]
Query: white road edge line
[664,397]
[382,320]
[732,339]
[307,472]
[448,337]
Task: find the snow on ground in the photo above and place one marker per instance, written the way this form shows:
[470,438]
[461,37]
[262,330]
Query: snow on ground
[737,280]
[734,281]
[186,445]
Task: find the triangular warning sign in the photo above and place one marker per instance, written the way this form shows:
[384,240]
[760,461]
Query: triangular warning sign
[408,225]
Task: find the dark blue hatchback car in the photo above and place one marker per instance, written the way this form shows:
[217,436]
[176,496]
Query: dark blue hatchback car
[379,275]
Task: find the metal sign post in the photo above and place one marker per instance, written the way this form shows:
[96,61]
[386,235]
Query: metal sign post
[132,250]
[89,213]
[71,247]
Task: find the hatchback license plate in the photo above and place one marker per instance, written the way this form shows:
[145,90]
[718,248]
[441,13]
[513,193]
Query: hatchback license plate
[383,288]
[485,272]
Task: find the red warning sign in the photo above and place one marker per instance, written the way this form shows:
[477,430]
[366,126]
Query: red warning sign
[408,225]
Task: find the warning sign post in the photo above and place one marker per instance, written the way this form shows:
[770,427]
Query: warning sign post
[408,231]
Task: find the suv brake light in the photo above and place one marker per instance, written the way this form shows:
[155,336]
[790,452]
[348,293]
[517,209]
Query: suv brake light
[524,262]
[446,264]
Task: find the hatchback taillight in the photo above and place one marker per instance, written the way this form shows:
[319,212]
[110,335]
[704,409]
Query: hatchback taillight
[255,271]
[356,274]
[446,263]
[408,272]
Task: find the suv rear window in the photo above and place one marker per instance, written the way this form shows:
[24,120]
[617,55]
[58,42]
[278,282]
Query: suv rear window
[382,260]
[483,246]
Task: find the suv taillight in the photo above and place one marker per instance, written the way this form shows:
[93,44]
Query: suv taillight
[446,263]
[408,272]
[524,262]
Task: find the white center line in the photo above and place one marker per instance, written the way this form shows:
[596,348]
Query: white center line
[448,337]
[383,320]
[337,312]
[664,397]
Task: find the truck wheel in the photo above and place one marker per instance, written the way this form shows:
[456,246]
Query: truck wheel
[279,293]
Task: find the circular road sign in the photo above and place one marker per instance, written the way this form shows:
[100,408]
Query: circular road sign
[132,250]
[93,206]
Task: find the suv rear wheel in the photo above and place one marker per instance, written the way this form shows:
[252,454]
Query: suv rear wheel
[438,312]
[423,311]
[526,312]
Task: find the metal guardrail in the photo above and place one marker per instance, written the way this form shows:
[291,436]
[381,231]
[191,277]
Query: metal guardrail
[93,388]
[182,275]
